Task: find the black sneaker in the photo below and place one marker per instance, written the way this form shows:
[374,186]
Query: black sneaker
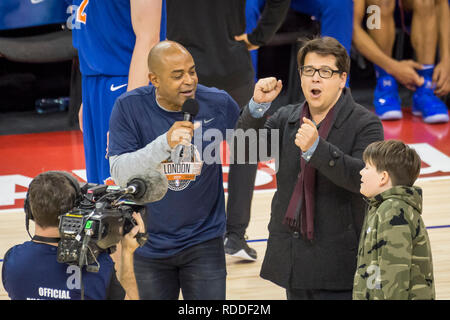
[237,247]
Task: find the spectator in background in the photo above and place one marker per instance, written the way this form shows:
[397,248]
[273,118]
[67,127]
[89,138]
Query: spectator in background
[335,17]
[252,14]
[214,33]
[113,39]
[430,26]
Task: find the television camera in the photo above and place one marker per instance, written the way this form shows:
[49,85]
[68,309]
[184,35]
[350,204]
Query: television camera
[99,222]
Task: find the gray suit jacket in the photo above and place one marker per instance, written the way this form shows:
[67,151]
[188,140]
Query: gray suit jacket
[329,262]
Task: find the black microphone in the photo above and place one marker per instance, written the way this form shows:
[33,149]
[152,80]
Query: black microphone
[148,187]
[190,109]
[136,187]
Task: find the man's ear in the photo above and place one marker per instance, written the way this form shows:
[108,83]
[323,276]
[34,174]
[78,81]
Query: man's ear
[343,80]
[153,79]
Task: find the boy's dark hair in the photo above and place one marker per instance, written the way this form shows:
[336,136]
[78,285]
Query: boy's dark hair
[50,194]
[399,160]
[325,46]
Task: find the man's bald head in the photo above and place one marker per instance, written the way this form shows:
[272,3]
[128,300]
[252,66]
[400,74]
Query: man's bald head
[172,73]
[162,50]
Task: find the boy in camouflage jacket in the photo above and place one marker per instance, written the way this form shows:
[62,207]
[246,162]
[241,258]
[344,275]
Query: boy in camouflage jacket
[394,255]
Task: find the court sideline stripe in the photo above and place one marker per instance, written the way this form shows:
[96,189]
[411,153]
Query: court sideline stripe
[264,240]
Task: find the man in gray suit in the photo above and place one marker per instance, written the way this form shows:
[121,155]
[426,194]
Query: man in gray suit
[317,211]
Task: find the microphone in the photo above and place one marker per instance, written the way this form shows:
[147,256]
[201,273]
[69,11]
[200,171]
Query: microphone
[190,109]
[136,187]
[147,188]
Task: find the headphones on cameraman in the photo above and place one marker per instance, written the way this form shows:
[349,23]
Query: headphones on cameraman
[29,214]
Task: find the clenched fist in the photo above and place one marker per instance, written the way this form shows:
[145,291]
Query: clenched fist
[267,89]
[306,135]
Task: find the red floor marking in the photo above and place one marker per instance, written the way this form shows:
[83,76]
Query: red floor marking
[412,129]
[31,154]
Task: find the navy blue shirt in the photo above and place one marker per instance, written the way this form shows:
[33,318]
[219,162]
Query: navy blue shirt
[30,272]
[193,209]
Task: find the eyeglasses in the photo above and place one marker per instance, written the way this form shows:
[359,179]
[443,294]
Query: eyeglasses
[324,73]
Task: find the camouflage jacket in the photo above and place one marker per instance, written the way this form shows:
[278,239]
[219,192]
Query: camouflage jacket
[394,254]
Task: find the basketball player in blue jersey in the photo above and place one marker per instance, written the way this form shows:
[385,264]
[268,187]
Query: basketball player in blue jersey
[428,77]
[113,39]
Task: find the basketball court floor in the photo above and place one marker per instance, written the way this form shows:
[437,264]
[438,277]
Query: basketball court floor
[24,156]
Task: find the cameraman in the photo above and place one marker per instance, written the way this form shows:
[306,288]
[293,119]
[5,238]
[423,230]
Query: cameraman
[31,271]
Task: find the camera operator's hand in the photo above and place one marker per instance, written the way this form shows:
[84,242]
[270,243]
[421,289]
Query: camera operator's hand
[125,272]
[129,242]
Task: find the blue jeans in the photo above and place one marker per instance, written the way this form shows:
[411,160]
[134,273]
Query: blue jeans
[199,271]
